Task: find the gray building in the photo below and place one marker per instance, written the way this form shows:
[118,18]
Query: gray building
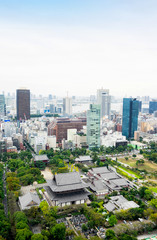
[29,200]
[104,99]
[67,189]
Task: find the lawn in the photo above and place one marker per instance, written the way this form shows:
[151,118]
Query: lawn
[148,166]
[124,174]
[131,172]
[154,189]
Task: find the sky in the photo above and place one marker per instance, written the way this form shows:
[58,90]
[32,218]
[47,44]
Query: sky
[55,47]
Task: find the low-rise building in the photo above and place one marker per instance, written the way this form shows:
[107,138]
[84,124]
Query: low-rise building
[98,188]
[41,158]
[111,179]
[119,203]
[28,200]
[83,159]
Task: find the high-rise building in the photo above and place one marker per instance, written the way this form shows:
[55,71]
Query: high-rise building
[23,104]
[2,106]
[152,106]
[52,108]
[93,126]
[140,106]
[67,106]
[104,100]
[130,117]
[50,97]
[60,126]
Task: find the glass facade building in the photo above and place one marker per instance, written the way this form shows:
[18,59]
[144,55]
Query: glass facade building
[152,106]
[2,105]
[93,126]
[130,117]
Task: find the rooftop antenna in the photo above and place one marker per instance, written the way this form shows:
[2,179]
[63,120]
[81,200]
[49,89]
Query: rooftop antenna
[67,93]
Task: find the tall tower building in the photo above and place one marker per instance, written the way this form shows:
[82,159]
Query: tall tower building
[2,106]
[23,104]
[93,126]
[104,99]
[152,106]
[130,117]
[67,106]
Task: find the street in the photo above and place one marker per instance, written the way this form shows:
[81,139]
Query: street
[5,203]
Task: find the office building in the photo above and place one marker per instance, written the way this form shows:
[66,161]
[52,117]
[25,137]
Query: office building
[130,117]
[93,126]
[67,106]
[60,126]
[104,100]
[140,106]
[52,108]
[152,106]
[155,114]
[23,104]
[2,106]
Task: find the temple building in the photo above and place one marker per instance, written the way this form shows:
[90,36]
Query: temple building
[67,189]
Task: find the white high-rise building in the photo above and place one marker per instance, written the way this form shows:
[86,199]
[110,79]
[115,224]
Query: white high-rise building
[67,106]
[93,126]
[104,100]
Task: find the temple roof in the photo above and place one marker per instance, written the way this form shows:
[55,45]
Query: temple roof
[64,182]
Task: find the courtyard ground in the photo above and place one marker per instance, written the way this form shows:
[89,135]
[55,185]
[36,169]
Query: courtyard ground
[47,173]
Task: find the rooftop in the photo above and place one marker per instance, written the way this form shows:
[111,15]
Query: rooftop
[65,182]
[41,157]
[27,199]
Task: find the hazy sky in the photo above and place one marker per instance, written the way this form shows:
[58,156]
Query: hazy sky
[52,47]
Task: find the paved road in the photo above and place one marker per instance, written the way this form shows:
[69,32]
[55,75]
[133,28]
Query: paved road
[147,235]
[73,228]
[5,203]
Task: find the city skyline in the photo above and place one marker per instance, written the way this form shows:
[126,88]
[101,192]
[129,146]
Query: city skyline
[79,47]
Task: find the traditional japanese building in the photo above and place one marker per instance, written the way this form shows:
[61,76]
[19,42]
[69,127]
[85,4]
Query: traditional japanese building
[66,189]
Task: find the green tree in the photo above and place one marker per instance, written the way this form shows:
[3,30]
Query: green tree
[23,234]
[112,220]
[80,238]
[20,217]
[148,195]
[40,165]
[22,225]
[37,237]
[84,227]
[127,237]
[110,234]
[58,231]
[153,203]
[153,217]
[44,207]
[4,227]
[13,183]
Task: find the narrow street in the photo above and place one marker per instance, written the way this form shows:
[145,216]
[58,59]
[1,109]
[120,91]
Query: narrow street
[5,203]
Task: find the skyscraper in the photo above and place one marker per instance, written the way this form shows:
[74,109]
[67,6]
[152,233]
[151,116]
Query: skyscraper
[93,126]
[67,106]
[104,99]
[152,106]
[130,117]
[2,106]
[23,104]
